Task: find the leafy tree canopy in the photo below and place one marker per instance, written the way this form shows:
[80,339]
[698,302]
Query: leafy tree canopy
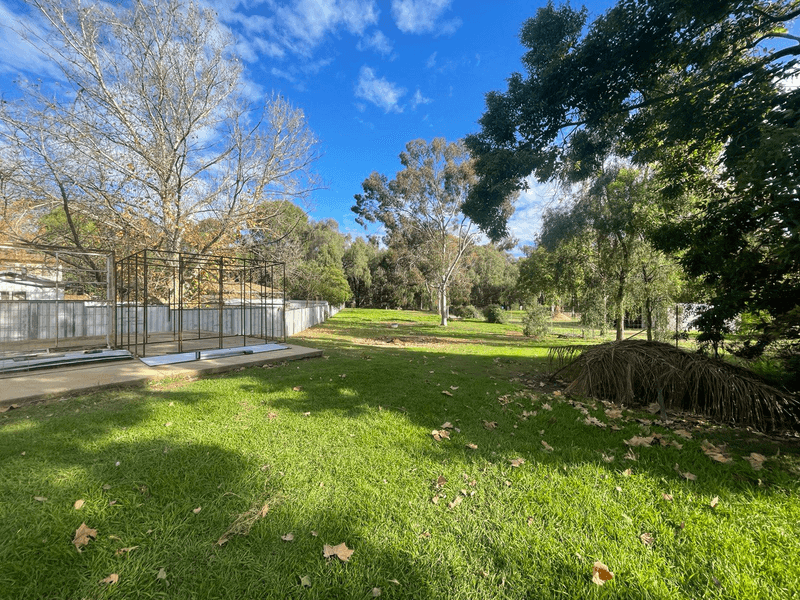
[697,89]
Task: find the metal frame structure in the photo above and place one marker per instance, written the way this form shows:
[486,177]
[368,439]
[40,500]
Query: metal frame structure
[54,299]
[181,302]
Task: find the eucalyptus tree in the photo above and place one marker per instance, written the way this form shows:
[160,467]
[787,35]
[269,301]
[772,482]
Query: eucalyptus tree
[601,239]
[423,202]
[356,262]
[148,129]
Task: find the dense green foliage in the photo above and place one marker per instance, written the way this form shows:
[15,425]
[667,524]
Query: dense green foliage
[698,90]
[536,322]
[495,313]
[595,250]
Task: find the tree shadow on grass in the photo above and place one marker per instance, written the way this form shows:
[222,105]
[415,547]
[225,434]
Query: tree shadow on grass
[164,503]
[157,490]
[402,381]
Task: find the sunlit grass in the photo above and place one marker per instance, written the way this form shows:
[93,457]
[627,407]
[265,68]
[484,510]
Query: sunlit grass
[340,450]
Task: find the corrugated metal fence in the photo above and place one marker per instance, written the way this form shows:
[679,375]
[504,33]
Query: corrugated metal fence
[49,321]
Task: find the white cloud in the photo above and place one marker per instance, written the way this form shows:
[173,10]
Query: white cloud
[16,54]
[299,26]
[420,16]
[379,91]
[431,62]
[377,42]
[526,222]
[419,99]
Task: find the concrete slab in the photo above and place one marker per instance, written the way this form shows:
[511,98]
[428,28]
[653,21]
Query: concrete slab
[20,388]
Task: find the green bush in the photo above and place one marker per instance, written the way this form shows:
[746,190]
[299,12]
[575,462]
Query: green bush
[536,322]
[466,312]
[494,313]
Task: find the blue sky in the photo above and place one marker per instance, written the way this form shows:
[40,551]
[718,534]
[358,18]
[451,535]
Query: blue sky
[370,75]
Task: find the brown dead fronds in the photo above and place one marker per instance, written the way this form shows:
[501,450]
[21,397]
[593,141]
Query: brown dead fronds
[636,372]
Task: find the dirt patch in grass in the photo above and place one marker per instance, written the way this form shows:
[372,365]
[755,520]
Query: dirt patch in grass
[407,341]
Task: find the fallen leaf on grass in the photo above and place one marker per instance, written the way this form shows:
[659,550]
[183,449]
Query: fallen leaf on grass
[440,434]
[607,458]
[517,462]
[288,537]
[601,574]
[630,455]
[456,501]
[640,441]
[83,535]
[687,475]
[446,393]
[440,481]
[594,421]
[490,425]
[305,581]
[306,414]
[547,446]
[614,413]
[122,551]
[667,497]
[472,446]
[546,406]
[454,388]
[683,433]
[8,407]
[111,579]
[272,415]
[297,388]
[716,453]
[162,574]
[447,425]
[756,460]
[79,504]
[435,499]
[107,486]
[40,498]
[647,539]
[197,510]
[714,502]
[376,592]
[627,473]
[340,551]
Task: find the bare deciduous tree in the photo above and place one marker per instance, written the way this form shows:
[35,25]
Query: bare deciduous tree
[148,138]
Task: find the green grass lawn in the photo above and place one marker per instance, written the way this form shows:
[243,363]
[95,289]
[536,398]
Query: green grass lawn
[340,450]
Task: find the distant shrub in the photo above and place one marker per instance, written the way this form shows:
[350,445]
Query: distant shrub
[466,312]
[536,322]
[494,313]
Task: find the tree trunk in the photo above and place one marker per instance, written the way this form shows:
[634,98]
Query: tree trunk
[443,304]
[648,311]
[620,312]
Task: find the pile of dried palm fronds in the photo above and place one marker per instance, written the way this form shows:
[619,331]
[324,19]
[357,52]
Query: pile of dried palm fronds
[637,372]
